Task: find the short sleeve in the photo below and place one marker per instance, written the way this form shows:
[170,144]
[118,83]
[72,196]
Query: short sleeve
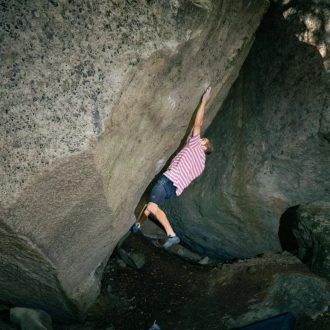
[194,141]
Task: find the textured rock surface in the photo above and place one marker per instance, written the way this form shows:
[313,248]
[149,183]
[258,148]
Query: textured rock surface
[312,230]
[312,21]
[272,149]
[301,294]
[30,319]
[94,98]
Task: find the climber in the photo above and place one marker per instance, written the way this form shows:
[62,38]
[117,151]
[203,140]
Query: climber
[186,166]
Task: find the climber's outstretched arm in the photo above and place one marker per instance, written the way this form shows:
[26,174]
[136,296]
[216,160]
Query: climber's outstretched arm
[200,112]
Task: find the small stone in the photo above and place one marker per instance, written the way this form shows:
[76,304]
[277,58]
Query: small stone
[155,326]
[184,253]
[134,260]
[121,263]
[204,261]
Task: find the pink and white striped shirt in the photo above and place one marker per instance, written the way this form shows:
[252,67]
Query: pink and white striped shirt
[187,165]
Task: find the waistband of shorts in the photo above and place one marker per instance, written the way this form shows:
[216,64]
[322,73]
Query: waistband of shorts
[163,176]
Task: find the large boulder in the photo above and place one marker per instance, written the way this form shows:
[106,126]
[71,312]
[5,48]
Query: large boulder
[304,295]
[94,99]
[272,148]
[312,230]
[237,294]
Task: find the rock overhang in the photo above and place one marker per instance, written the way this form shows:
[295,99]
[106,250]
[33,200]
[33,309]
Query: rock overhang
[94,96]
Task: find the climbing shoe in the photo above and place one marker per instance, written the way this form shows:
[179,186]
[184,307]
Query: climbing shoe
[136,227]
[171,241]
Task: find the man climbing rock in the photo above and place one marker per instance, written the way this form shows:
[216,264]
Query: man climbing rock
[186,166]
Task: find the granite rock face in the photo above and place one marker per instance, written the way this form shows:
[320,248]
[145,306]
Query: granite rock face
[94,99]
[312,21]
[312,231]
[272,149]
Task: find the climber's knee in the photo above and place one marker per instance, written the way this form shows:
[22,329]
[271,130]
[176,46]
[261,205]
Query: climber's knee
[151,208]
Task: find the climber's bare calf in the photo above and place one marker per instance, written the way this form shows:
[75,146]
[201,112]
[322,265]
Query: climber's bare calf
[160,216]
[163,189]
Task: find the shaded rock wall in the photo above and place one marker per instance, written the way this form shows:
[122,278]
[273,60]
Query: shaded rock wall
[29,277]
[272,149]
[94,98]
[312,230]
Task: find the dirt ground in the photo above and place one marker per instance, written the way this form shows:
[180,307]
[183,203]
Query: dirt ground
[179,295]
[157,292]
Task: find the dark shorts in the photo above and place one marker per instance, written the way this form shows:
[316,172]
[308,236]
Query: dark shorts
[162,190]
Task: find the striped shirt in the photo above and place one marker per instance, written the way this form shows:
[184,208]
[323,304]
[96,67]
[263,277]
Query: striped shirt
[187,165]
